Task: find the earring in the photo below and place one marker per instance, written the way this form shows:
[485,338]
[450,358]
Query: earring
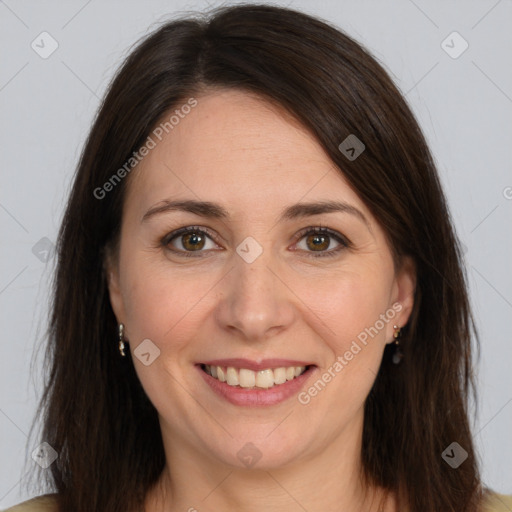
[121,340]
[398,355]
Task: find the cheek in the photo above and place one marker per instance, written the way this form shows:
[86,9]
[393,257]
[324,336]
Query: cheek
[348,316]
[358,314]
[164,308]
[346,305]
[161,304]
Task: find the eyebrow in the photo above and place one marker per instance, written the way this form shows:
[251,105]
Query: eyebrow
[211,210]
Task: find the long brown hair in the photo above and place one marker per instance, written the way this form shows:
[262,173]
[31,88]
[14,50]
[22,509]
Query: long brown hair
[96,414]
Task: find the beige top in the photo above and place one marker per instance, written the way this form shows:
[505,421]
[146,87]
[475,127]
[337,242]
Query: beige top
[47,503]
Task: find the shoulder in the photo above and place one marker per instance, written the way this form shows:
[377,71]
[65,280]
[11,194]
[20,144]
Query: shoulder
[495,502]
[46,503]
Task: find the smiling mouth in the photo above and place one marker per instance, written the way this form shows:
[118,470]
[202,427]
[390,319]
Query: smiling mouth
[249,379]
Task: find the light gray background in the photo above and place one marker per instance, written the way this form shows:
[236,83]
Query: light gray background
[464,106]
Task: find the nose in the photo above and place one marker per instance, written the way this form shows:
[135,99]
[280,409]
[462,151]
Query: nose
[256,302]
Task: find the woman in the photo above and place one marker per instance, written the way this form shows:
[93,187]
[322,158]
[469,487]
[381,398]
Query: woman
[259,301]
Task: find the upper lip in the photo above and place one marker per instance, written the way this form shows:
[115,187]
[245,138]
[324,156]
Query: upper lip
[240,362]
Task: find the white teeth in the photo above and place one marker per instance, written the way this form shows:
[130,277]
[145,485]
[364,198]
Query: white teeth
[232,377]
[279,375]
[249,379]
[265,379]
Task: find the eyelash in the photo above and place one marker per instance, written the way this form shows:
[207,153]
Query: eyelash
[344,243]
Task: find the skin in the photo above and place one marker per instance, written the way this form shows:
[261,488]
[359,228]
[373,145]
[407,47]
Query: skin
[254,159]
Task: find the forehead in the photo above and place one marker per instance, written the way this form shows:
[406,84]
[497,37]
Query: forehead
[236,148]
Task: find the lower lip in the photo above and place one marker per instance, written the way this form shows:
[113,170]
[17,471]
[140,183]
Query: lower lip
[257,397]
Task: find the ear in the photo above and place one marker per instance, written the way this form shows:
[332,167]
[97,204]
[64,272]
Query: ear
[402,297]
[111,267]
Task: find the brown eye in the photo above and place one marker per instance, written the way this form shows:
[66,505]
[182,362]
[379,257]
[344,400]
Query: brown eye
[319,240]
[188,240]
[192,241]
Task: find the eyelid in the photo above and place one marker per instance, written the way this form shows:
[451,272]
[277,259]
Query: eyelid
[323,230]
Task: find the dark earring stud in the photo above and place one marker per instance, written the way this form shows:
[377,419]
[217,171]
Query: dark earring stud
[398,355]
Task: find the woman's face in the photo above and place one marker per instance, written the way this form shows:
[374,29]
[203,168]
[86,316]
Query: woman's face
[253,282]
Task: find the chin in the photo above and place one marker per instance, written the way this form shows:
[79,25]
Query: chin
[261,451]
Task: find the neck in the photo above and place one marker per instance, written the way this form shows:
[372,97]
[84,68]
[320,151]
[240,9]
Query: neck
[331,480]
